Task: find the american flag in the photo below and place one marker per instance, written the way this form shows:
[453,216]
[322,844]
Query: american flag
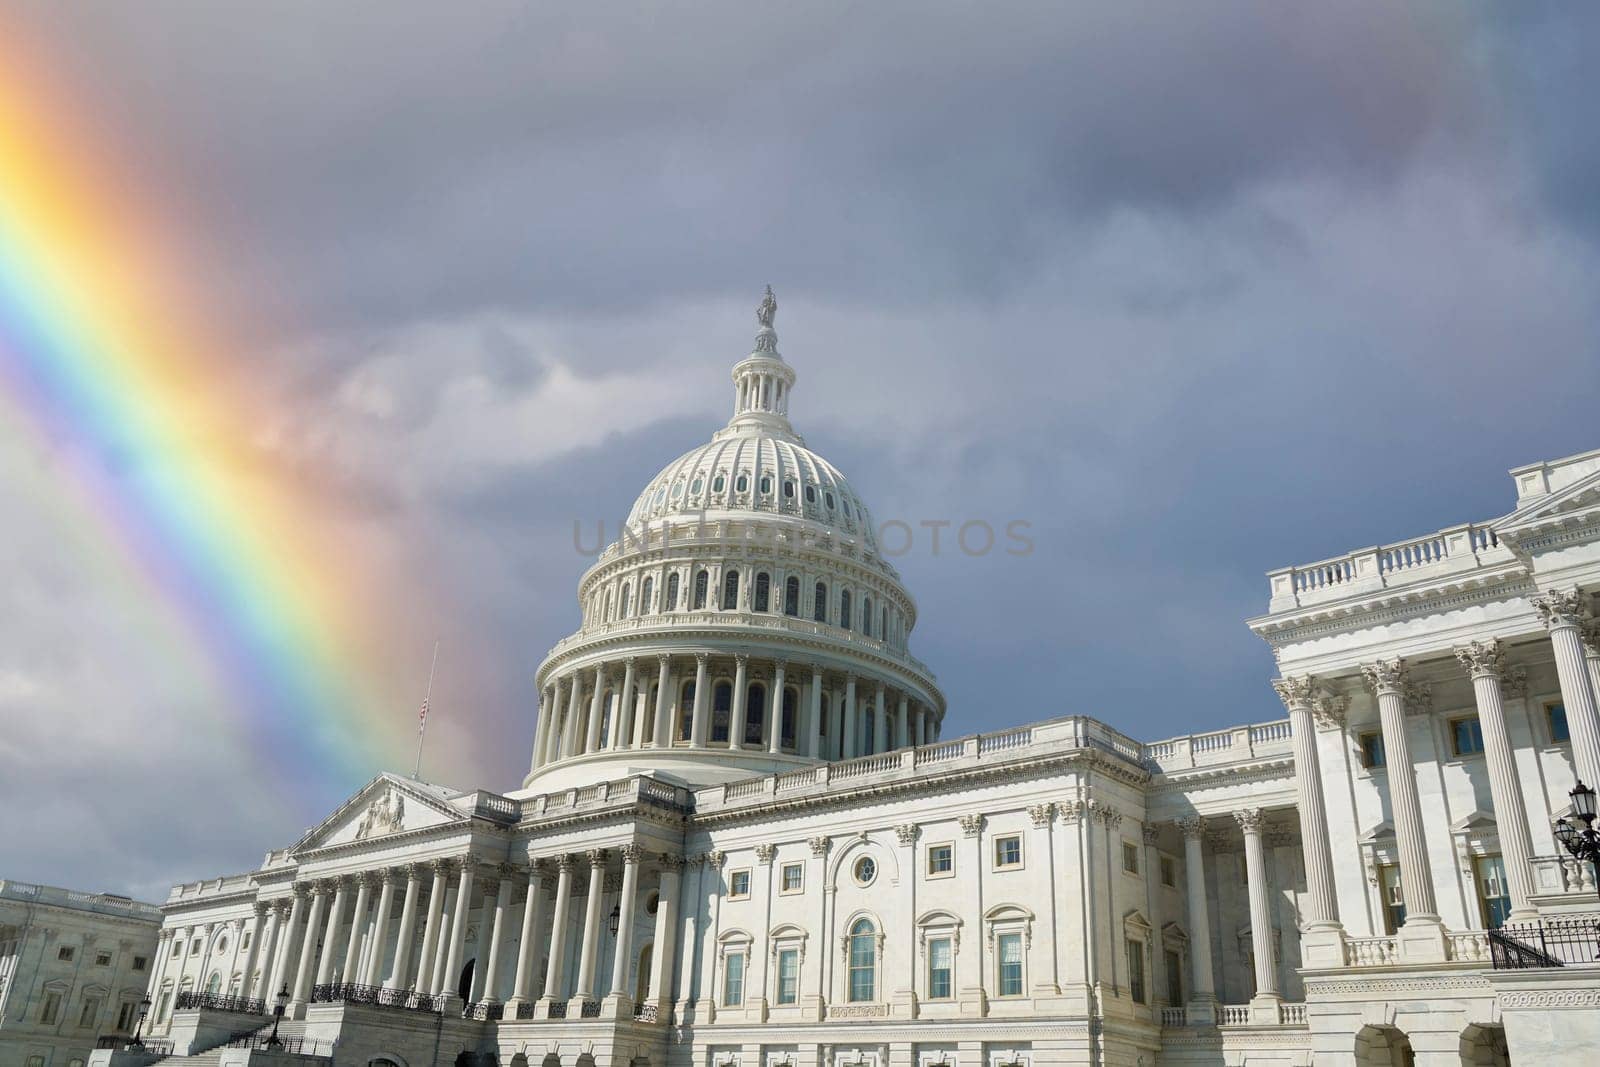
[422,717]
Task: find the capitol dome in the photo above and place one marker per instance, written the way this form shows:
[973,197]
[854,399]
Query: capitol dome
[743,623]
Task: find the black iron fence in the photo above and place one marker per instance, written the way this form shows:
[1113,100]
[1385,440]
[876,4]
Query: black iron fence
[645,1013]
[295,1046]
[188,999]
[1546,943]
[350,993]
[487,1012]
[120,1043]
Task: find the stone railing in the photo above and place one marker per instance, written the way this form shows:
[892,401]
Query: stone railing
[618,793]
[1233,1014]
[1292,1014]
[1565,876]
[1371,951]
[494,807]
[1458,548]
[1040,740]
[211,887]
[1468,946]
[103,903]
[1232,745]
[1174,1016]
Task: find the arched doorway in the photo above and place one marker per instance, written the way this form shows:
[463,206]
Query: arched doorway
[1484,1046]
[641,985]
[1383,1046]
[464,985]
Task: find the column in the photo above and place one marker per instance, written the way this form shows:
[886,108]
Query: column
[1266,999]
[555,975]
[569,734]
[1422,936]
[849,733]
[330,942]
[663,948]
[358,919]
[258,928]
[502,907]
[880,723]
[1202,982]
[1484,665]
[297,916]
[408,928]
[265,990]
[741,688]
[902,723]
[541,732]
[380,930]
[775,711]
[430,926]
[590,948]
[622,718]
[1562,614]
[308,952]
[1323,944]
[621,962]
[814,727]
[532,904]
[664,702]
[698,726]
[441,949]
[597,708]
[458,931]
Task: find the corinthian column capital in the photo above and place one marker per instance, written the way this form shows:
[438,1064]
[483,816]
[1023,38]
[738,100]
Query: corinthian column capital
[1298,692]
[1558,608]
[1385,676]
[1482,659]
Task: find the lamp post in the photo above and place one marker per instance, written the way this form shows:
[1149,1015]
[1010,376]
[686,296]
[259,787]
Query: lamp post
[144,1012]
[1584,844]
[278,1004]
[615,919]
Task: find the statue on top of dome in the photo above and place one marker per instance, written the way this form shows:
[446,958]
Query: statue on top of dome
[768,309]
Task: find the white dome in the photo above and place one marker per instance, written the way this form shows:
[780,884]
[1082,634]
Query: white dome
[754,470]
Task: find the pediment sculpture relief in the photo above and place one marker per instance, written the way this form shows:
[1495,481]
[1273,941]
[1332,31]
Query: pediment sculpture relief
[385,816]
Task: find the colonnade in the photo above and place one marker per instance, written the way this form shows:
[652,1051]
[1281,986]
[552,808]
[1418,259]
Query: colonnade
[1263,943]
[733,702]
[1575,642]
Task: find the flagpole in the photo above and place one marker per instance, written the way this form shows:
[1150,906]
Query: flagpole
[422,730]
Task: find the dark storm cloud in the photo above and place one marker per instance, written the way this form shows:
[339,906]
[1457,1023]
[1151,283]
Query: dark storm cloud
[1193,290]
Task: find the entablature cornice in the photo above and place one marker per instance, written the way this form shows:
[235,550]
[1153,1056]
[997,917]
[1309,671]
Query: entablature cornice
[1398,604]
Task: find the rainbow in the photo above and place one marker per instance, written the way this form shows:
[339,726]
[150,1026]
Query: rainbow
[125,393]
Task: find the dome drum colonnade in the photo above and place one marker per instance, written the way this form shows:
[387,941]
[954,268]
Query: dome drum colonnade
[744,611]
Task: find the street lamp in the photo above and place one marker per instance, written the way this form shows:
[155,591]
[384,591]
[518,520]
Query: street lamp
[144,1012]
[278,1004]
[1584,844]
[615,920]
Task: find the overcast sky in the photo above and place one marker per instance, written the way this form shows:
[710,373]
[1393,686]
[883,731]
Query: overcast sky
[1196,291]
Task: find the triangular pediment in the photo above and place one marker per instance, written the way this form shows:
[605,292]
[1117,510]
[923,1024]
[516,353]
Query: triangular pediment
[1577,500]
[389,804]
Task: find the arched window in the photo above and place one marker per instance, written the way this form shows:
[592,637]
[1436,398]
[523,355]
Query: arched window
[819,606]
[719,483]
[863,961]
[844,609]
[791,715]
[721,711]
[672,591]
[608,717]
[791,597]
[730,591]
[742,483]
[763,592]
[605,615]
[626,603]
[645,592]
[755,714]
[866,615]
[699,590]
[811,494]
[766,485]
[686,711]
[214,983]
[788,490]
[883,623]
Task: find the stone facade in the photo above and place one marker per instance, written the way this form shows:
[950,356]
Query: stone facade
[743,842]
[73,967]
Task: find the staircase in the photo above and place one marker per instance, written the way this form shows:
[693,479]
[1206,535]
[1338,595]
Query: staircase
[291,1033]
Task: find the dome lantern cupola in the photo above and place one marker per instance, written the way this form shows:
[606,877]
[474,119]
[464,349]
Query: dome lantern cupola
[762,381]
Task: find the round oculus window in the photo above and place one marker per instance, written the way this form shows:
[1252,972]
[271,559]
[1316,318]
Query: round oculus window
[865,870]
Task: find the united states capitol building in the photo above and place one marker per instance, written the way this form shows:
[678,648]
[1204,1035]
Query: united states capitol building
[745,840]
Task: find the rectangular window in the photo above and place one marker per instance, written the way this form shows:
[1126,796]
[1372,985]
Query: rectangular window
[1174,977]
[794,877]
[102,959]
[1136,970]
[739,885]
[65,953]
[1371,749]
[50,1010]
[140,963]
[177,946]
[125,1016]
[1466,736]
[245,944]
[941,965]
[941,859]
[90,1012]
[789,976]
[1494,897]
[1556,716]
[1394,901]
[1008,947]
[1130,857]
[1008,851]
[733,980]
[1169,872]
